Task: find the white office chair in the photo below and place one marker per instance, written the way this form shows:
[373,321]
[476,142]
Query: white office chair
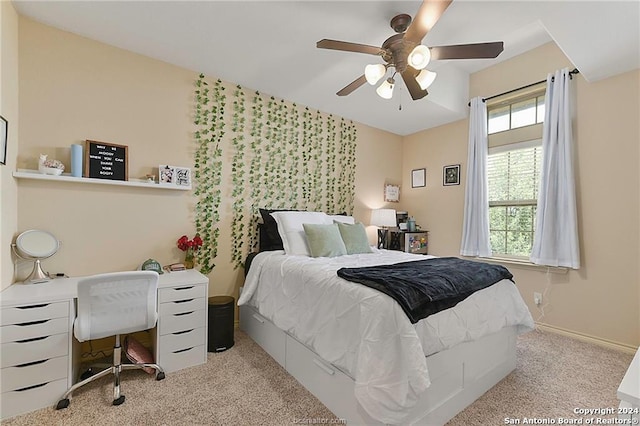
[110,305]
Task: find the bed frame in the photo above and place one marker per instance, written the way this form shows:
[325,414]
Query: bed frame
[459,375]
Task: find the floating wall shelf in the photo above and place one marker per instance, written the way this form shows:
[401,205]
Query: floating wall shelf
[34,174]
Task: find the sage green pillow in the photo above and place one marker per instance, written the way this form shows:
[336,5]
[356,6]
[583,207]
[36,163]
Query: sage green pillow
[324,240]
[354,238]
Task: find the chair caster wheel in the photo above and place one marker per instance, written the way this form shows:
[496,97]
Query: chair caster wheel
[63,403]
[160,376]
[119,400]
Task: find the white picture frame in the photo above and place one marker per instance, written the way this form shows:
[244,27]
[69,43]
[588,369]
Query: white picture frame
[166,174]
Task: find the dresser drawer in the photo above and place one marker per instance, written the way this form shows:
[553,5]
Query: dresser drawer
[181,322]
[181,293]
[30,374]
[29,330]
[17,402]
[17,353]
[173,361]
[183,340]
[29,313]
[181,306]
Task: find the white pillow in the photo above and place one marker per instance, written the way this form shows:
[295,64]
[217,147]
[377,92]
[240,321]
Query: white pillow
[350,220]
[291,230]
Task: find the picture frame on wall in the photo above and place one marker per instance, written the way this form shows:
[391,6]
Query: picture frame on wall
[4,132]
[451,175]
[418,178]
[391,193]
[174,176]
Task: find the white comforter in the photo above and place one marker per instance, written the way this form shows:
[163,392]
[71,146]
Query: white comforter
[364,332]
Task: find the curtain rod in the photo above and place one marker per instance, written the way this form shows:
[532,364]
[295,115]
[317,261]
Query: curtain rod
[571,73]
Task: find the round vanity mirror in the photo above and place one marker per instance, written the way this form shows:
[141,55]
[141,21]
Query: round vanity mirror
[36,245]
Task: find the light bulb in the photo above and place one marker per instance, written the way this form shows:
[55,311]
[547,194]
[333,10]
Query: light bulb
[385,90]
[425,78]
[419,57]
[374,72]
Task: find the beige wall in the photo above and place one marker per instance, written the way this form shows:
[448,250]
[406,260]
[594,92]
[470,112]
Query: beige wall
[72,89]
[602,299]
[9,110]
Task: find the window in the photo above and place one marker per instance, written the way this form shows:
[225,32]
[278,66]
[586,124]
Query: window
[514,175]
[515,114]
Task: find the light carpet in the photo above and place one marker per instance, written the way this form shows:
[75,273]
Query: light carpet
[244,386]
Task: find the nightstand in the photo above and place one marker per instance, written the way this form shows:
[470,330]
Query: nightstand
[409,241]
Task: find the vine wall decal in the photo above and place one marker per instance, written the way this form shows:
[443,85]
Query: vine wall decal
[282,156]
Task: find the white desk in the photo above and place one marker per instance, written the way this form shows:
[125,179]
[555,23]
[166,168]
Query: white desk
[629,392]
[40,358]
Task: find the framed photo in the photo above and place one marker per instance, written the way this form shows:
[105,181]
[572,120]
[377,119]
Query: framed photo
[4,131]
[451,175]
[182,176]
[391,193]
[418,178]
[166,174]
[174,175]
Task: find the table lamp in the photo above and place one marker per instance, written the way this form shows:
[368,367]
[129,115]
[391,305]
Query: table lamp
[384,219]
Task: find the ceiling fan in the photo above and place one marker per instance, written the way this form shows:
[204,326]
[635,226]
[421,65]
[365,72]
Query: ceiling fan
[407,56]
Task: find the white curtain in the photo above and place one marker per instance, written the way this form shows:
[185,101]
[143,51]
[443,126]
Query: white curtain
[556,238]
[475,229]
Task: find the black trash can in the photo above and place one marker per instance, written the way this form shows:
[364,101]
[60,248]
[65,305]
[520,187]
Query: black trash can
[221,310]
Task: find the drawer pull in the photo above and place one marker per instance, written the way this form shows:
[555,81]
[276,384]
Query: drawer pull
[183,301]
[26,324]
[182,332]
[183,313]
[182,350]
[257,318]
[34,339]
[31,387]
[323,367]
[184,288]
[34,306]
[29,364]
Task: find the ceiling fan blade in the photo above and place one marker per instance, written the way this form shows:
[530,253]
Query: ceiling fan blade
[352,86]
[426,17]
[409,77]
[349,47]
[467,51]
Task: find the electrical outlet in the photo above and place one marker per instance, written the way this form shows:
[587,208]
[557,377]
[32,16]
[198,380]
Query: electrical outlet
[537,298]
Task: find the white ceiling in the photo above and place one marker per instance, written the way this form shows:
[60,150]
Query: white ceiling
[270,45]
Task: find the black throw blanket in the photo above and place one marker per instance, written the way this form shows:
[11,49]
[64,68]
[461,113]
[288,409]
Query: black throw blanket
[425,287]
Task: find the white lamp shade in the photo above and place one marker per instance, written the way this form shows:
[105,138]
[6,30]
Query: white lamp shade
[425,78]
[374,72]
[383,217]
[385,90]
[419,57]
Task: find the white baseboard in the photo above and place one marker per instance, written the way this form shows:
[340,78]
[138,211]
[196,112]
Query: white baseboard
[630,349]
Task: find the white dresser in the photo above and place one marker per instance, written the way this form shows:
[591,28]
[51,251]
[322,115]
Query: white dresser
[629,393]
[40,358]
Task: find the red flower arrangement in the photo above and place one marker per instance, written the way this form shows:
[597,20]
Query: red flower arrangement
[185,243]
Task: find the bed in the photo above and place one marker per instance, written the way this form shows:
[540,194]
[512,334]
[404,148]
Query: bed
[355,349]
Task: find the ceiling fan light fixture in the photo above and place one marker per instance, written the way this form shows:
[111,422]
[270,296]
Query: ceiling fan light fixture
[419,57]
[425,78]
[374,72]
[385,91]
